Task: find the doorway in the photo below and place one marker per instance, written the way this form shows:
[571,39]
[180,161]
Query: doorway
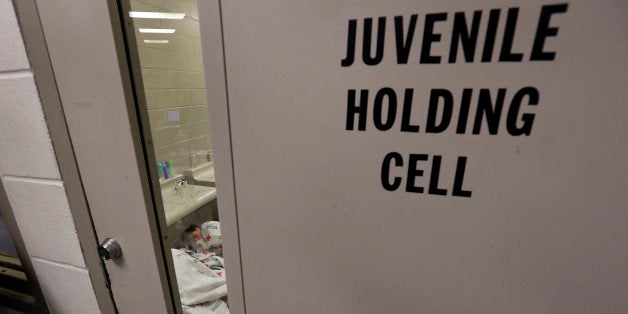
[95,54]
[164,51]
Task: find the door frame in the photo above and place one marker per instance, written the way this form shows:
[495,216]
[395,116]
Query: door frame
[89,72]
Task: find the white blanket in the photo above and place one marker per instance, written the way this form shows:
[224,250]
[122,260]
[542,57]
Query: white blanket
[211,238]
[201,280]
[214,307]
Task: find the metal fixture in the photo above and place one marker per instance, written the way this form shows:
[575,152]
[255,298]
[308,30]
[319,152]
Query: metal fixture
[179,185]
[109,249]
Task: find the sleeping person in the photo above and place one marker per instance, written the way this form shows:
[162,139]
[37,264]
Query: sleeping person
[204,239]
[200,270]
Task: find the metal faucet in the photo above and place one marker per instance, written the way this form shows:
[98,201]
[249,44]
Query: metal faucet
[179,185]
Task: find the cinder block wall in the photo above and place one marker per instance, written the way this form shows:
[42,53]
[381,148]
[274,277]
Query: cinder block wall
[174,82]
[31,178]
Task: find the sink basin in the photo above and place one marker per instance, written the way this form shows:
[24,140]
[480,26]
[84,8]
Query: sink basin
[190,197]
[203,174]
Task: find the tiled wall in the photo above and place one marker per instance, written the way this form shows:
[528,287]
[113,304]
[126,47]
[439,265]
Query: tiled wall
[30,176]
[174,82]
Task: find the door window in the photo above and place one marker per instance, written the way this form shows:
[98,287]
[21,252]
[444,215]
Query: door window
[166,50]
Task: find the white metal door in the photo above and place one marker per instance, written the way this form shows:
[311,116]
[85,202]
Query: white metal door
[85,56]
[338,215]
[87,50]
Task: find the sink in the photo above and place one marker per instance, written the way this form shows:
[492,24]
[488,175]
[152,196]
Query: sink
[202,174]
[190,197]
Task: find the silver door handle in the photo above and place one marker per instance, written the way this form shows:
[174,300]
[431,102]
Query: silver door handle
[109,249]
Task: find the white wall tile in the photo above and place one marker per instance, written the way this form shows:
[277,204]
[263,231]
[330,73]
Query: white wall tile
[43,215]
[25,146]
[12,52]
[152,58]
[67,289]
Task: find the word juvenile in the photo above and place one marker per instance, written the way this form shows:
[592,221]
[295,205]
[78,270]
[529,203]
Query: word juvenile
[466,111]
[462,35]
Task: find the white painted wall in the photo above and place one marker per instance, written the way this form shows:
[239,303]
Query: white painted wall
[29,173]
